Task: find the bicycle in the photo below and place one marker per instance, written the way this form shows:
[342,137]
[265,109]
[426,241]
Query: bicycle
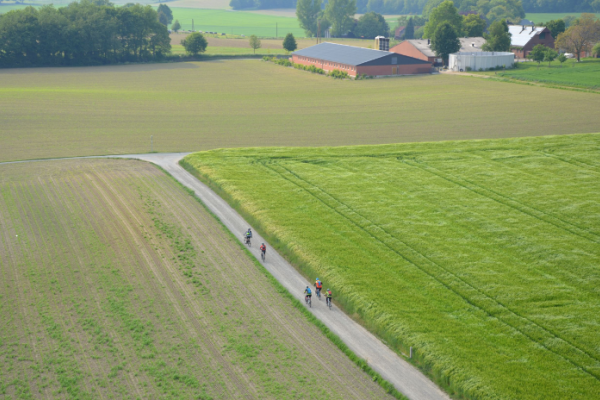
[318,293]
[328,302]
[263,255]
[307,300]
[247,242]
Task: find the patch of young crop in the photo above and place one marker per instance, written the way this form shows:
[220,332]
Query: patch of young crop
[480,255]
[116,283]
[247,103]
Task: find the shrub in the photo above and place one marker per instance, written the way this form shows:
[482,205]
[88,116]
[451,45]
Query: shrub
[468,69]
[337,74]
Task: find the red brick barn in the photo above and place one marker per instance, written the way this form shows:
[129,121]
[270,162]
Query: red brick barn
[359,60]
[524,38]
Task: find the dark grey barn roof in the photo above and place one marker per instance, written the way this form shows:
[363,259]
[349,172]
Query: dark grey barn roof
[351,55]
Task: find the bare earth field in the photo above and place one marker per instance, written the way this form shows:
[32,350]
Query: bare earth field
[116,283]
[60,112]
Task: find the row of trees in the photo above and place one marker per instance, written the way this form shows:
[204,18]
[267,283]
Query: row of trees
[83,33]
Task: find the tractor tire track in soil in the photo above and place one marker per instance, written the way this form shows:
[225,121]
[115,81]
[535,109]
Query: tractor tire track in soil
[406,378]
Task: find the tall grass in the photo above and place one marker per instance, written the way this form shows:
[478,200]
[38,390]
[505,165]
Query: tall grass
[481,255]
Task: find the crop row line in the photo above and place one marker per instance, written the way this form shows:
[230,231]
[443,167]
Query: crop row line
[482,192]
[573,161]
[454,286]
[507,201]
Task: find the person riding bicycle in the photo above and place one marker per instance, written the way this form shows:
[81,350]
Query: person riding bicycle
[307,294]
[328,296]
[263,248]
[318,285]
[249,233]
[247,236]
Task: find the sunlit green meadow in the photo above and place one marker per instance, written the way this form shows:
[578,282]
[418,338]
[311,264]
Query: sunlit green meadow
[482,255]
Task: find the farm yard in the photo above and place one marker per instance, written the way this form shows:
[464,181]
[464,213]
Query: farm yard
[116,283]
[62,112]
[481,255]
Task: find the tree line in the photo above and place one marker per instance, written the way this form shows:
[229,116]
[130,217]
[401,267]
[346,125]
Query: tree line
[82,33]
[499,8]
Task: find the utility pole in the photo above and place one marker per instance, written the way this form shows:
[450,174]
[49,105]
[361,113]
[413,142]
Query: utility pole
[318,29]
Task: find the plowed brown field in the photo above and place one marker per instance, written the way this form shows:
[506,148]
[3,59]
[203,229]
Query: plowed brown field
[116,283]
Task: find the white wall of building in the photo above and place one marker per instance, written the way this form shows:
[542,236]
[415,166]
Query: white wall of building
[480,60]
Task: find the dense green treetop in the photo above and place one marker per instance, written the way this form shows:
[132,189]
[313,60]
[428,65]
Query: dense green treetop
[474,25]
[409,31]
[289,43]
[163,8]
[254,42]
[445,12]
[194,43]
[339,13]
[176,26]
[445,41]
[308,12]
[556,27]
[81,33]
[498,38]
[370,25]
[538,53]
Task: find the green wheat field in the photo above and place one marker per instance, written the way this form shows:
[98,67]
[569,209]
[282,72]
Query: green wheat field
[481,255]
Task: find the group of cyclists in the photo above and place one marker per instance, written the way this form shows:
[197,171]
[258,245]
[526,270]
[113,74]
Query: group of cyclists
[318,287]
[263,248]
[307,292]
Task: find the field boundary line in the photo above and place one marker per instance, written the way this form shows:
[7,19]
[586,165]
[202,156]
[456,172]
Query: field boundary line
[448,285]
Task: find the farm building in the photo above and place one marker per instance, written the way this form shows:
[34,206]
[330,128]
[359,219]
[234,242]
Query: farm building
[524,38]
[421,48]
[481,60]
[359,60]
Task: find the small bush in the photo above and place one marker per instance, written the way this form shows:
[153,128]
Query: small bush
[337,74]
[468,69]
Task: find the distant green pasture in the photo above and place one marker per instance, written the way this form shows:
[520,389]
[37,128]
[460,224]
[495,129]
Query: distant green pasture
[237,22]
[545,17]
[584,74]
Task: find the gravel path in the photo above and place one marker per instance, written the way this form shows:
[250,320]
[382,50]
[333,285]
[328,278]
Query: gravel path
[406,378]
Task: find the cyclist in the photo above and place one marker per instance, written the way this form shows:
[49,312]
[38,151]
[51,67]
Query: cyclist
[307,294]
[263,249]
[249,233]
[318,286]
[328,296]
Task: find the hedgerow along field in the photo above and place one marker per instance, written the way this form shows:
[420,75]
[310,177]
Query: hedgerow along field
[117,283]
[62,112]
[482,255]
